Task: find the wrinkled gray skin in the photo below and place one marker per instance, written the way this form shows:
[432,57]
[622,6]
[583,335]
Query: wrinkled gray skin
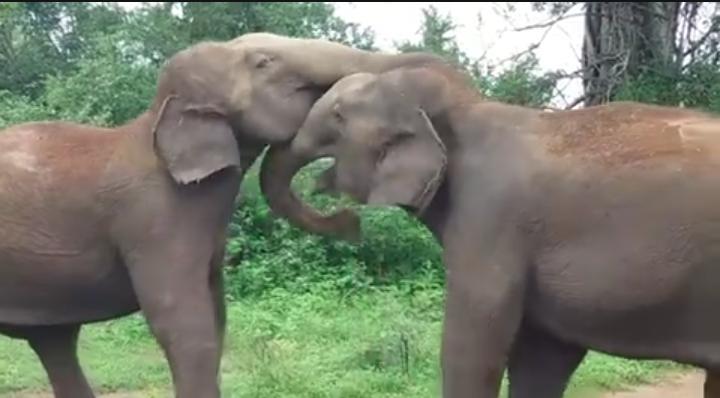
[97,223]
[561,232]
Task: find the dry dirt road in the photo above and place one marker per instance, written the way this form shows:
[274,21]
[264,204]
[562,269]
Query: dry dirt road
[688,385]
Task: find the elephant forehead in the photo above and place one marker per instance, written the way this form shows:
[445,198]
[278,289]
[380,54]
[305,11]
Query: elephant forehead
[207,57]
[263,40]
[356,87]
[205,71]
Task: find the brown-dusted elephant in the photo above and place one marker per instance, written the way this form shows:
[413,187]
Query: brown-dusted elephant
[564,231]
[97,223]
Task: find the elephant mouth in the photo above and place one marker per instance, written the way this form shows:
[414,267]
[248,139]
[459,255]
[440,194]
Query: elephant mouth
[412,210]
[314,92]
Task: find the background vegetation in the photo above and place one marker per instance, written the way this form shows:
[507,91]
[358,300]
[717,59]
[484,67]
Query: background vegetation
[310,317]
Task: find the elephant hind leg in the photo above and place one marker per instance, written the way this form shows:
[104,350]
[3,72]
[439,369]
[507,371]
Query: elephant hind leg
[711,389]
[56,346]
[540,365]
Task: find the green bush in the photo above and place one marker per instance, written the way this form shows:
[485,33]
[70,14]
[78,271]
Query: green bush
[107,87]
[696,87]
[264,252]
[16,108]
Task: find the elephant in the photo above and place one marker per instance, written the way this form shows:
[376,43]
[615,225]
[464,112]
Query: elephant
[561,232]
[102,222]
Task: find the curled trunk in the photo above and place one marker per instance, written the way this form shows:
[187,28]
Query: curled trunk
[322,63]
[276,174]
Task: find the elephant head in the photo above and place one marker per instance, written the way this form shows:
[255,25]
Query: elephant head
[219,103]
[378,129]
[257,88]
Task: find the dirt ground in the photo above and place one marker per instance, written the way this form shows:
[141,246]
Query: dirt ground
[688,385]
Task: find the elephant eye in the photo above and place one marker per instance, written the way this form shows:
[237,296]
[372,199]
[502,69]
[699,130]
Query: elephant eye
[402,136]
[398,138]
[382,152]
[262,62]
[395,140]
[337,116]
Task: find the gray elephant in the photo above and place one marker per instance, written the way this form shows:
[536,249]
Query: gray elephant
[98,223]
[562,231]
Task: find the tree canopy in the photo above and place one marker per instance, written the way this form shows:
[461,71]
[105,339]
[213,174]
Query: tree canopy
[97,62]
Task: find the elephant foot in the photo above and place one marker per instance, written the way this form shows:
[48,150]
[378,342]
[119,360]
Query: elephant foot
[711,389]
[56,346]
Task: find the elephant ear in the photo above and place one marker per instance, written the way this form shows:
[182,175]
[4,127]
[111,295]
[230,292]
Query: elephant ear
[194,141]
[411,168]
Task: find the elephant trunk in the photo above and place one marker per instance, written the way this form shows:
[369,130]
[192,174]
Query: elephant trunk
[279,167]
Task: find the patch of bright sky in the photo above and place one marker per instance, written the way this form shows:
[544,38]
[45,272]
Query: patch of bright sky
[483,30]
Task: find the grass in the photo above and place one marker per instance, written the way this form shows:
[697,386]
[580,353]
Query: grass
[322,344]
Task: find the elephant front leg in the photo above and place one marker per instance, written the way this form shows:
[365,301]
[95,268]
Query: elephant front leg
[217,287]
[178,288]
[541,365]
[711,387]
[482,314]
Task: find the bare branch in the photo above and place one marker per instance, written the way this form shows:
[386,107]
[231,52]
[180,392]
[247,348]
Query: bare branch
[529,49]
[651,11]
[570,40]
[577,101]
[694,46]
[549,23]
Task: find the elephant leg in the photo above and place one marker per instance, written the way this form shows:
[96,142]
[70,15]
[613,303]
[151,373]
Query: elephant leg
[217,287]
[177,286]
[541,365]
[711,389]
[483,309]
[56,346]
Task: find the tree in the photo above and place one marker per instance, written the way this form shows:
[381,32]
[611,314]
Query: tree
[624,40]
[630,44]
[97,62]
[518,84]
[37,39]
[437,36]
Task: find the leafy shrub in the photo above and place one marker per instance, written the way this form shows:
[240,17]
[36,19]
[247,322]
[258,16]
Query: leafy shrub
[265,252]
[697,86]
[520,84]
[16,108]
[107,88]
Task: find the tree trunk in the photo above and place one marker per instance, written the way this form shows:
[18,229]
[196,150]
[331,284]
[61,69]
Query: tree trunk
[624,39]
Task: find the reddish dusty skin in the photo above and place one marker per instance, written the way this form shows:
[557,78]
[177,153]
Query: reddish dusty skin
[561,231]
[97,223]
